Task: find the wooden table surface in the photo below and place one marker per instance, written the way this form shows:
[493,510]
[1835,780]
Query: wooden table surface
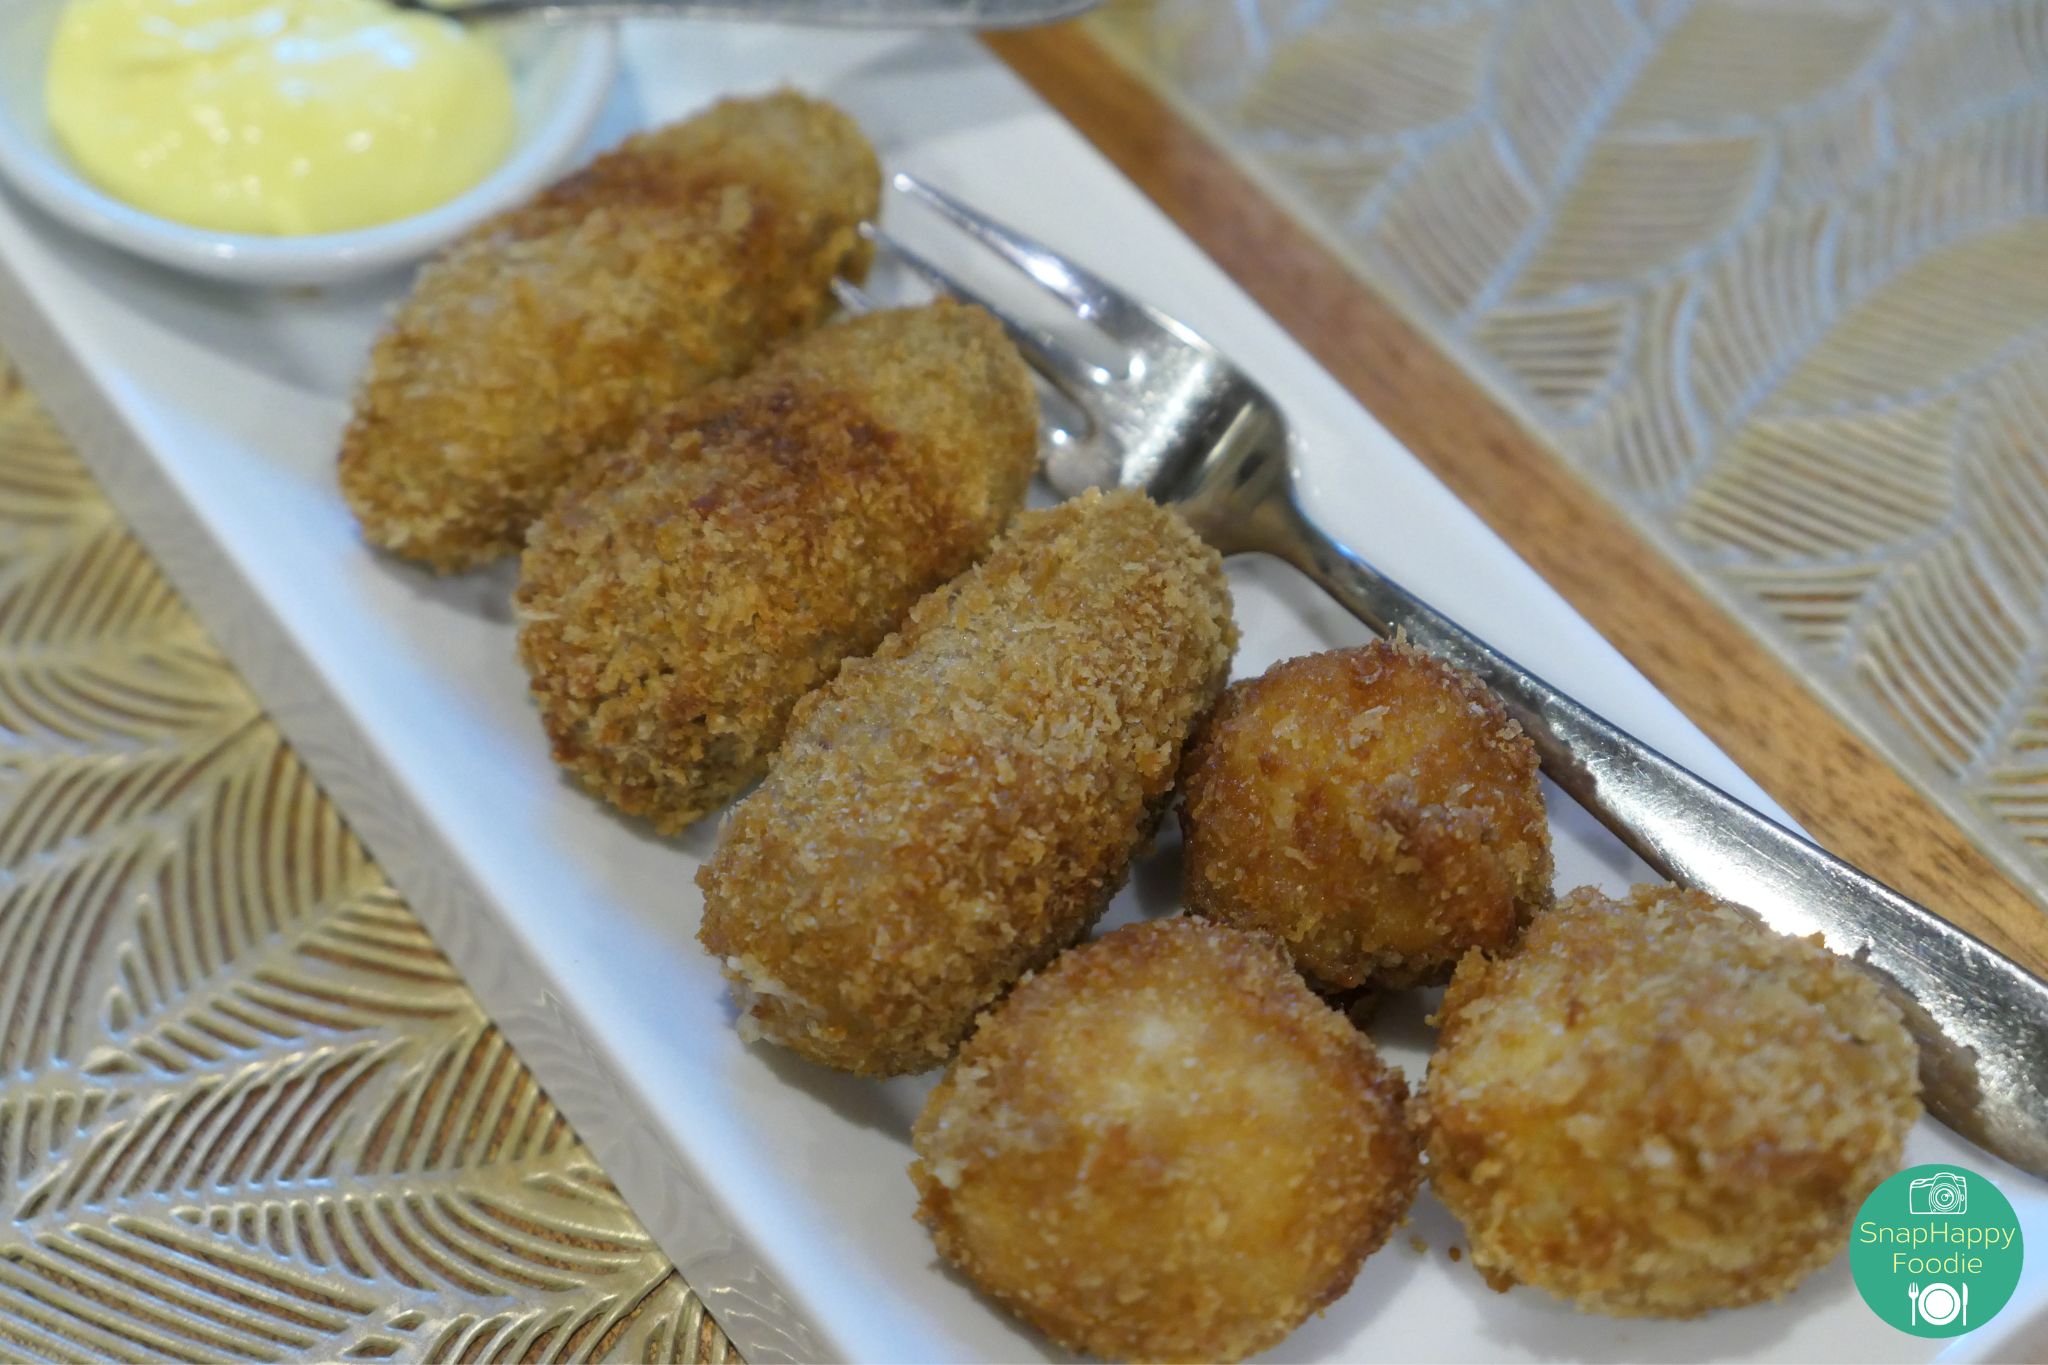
[249,1112]
[1848,797]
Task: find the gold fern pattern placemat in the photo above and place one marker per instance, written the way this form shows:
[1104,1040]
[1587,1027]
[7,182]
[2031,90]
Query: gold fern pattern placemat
[1773,274]
[247,1111]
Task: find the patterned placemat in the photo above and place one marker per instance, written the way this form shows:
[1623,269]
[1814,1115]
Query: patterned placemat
[1772,274]
[247,1111]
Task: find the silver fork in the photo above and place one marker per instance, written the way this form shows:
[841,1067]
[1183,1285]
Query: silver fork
[969,14]
[1178,420]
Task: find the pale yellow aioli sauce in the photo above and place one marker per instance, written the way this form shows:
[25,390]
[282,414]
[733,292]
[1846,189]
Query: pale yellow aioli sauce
[283,117]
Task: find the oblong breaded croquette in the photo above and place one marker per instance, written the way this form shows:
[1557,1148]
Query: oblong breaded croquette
[949,813]
[1657,1106]
[1165,1147]
[551,331]
[682,595]
[1374,807]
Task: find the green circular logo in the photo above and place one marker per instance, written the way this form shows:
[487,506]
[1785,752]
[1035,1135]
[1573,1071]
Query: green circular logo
[1935,1250]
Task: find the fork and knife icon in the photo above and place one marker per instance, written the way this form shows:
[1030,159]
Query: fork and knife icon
[1939,1304]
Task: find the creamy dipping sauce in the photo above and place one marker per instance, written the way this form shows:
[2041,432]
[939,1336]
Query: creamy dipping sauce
[282,117]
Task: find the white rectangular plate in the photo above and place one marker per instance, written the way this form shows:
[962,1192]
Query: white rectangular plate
[212,417]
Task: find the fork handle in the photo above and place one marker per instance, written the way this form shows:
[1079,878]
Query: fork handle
[975,14]
[1981,1018]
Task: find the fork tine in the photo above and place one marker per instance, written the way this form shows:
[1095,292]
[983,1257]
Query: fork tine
[1047,355]
[851,296]
[1088,294]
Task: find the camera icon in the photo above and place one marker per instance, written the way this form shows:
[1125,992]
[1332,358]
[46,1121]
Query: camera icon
[1945,1192]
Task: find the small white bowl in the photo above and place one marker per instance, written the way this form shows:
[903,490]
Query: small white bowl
[560,79]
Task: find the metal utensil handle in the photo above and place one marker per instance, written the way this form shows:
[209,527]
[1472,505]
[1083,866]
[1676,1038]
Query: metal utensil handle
[1982,1019]
[976,14]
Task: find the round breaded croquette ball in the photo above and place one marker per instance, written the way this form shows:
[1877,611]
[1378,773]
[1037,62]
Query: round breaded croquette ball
[1658,1107]
[1165,1147]
[1374,807]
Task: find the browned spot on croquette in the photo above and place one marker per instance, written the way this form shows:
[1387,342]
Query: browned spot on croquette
[1374,807]
[1164,1147]
[545,335]
[949,813]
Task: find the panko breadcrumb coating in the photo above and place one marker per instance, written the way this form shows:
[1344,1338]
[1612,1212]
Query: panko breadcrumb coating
[551,331]
[1164,1147]
[1374,807]
[1659,1107]
[948,814]
[681,596]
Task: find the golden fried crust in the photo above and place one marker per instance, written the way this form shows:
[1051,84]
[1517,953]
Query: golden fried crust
[549,332]
[1165,1147]
[949,813]
[1374,807]
[1658,1107]
[681,595]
